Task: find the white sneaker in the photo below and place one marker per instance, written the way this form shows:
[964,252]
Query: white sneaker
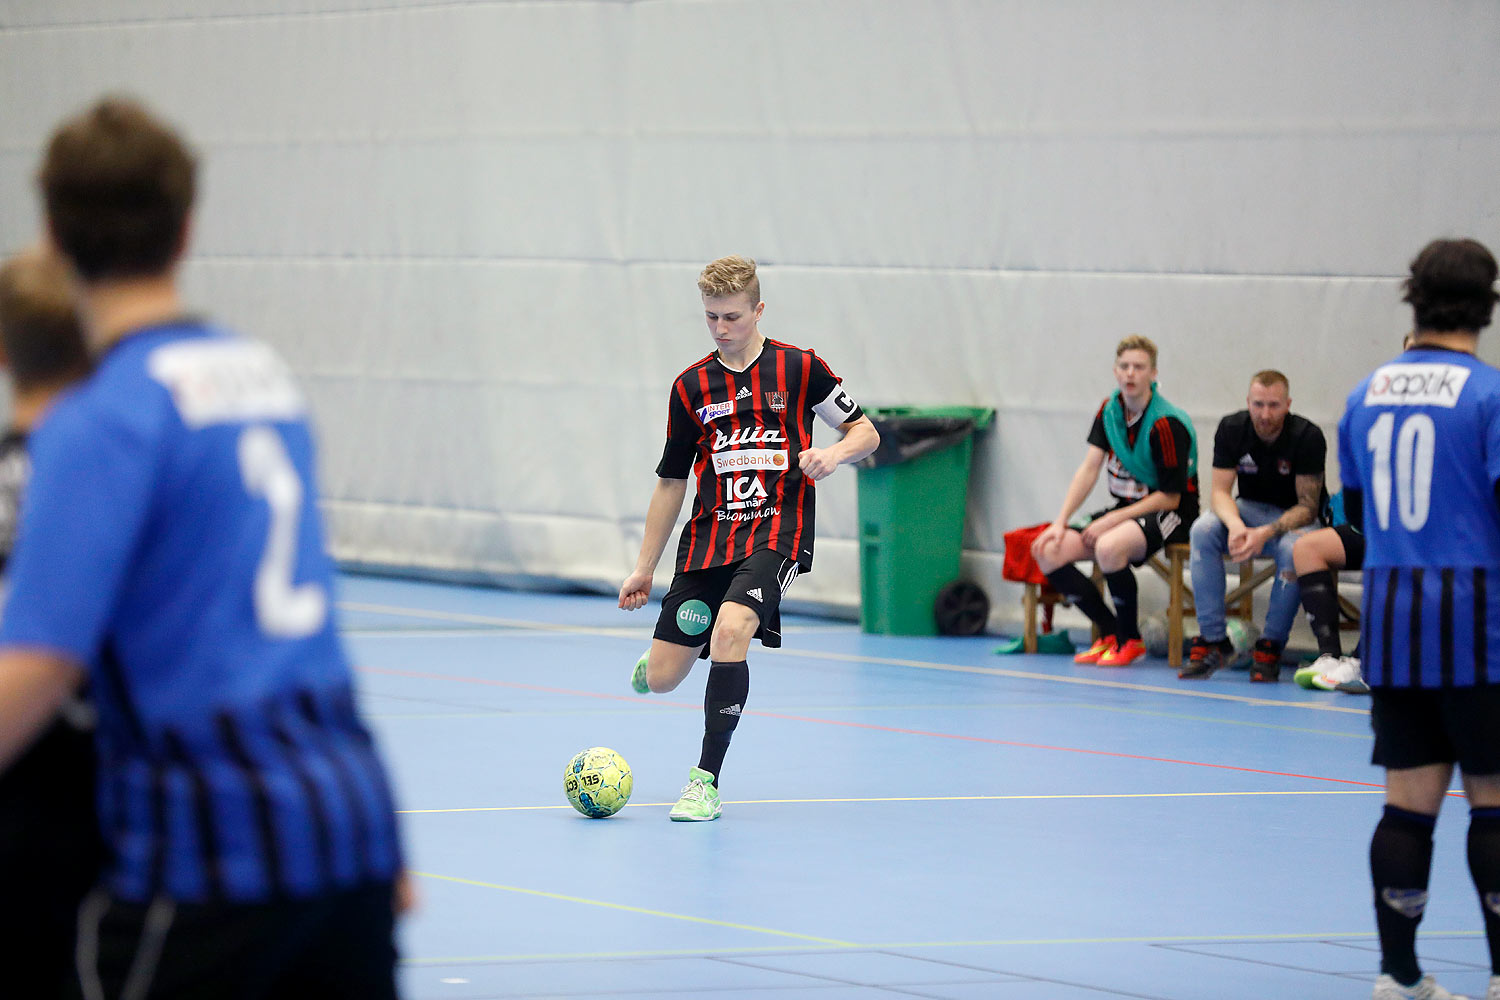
[1426,988]
[1493,993]
[1343,675]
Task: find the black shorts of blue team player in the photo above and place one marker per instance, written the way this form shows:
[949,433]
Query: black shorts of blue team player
[335,946]
[1415,727]
[691,607]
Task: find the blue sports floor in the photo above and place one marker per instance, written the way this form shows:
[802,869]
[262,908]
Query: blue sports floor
[903,817]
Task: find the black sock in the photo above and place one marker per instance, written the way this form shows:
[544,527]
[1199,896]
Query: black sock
[1083,595]
[1484,866]
[1122,590]
[1400,862]
[723,701]
[1321,602]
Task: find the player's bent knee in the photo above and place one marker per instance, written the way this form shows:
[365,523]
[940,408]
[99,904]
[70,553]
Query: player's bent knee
[733,631]
[1118,548]
[1207,530]
[668,665]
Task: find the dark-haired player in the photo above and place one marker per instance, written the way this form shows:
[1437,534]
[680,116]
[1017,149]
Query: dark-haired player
[1419,453]
[171,545]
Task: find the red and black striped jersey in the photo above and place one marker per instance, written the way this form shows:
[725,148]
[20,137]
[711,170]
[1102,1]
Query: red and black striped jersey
[740,433]
[1170,447]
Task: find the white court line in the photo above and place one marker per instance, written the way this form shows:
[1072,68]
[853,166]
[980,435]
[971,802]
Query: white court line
[1178,691]
[888,945]
[928,798]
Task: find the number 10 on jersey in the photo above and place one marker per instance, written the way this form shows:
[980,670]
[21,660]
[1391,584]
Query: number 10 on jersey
[1416,444]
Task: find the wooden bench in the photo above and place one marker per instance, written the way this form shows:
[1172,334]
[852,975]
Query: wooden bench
[1034,597]
[1171,565]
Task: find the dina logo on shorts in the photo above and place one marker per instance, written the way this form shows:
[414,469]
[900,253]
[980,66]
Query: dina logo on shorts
[694,617]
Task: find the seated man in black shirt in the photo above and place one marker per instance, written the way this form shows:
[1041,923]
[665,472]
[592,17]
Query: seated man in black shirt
[1277,459]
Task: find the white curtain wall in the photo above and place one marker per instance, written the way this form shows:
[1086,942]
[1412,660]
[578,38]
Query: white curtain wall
[473,226]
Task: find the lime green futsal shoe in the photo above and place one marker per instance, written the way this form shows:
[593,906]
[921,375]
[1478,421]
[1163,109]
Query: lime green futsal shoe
[1304,675]
[700,799]
[638,674]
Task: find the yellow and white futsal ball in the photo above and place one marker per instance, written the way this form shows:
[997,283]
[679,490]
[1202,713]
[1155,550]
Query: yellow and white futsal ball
[598,782]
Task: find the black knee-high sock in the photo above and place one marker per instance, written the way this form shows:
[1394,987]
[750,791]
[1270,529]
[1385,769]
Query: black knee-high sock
[1083,595]
[1122,591]
[1484,866]
[1321,602]
[1400,862]
[723,701]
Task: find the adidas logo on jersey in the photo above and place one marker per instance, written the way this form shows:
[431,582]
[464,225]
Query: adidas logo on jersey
[731,710]
[743,394]
[755,594]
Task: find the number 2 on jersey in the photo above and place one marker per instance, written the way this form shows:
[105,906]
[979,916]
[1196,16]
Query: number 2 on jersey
[1415,447]
[283,610]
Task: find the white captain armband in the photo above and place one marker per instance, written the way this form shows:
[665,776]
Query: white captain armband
[838,409]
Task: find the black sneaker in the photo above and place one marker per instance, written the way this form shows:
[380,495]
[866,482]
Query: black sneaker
[1265,662]
[1203,659]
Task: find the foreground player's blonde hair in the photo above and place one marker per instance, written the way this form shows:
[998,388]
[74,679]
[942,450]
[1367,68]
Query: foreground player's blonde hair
[730,276]
[1135,342]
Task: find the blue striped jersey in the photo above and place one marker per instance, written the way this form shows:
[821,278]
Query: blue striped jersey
[1420,438]
[171,541]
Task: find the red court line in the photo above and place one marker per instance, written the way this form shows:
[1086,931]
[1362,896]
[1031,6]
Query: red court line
[424,675]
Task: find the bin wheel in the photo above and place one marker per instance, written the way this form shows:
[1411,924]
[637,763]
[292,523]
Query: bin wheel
[961,608]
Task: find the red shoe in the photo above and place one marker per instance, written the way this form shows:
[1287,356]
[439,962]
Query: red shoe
[1098,649]
[1124,656]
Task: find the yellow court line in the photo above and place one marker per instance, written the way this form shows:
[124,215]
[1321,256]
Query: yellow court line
[1180,692]
[1029,675]
[886,945]
[638,909]
[929,798]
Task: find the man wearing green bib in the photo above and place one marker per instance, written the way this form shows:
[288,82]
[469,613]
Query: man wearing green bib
[1153,479]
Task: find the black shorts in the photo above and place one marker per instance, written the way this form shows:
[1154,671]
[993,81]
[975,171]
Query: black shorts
[1354,546]
[1161,529]
[1415,727]
[50,856]
[691,607]
[338,946]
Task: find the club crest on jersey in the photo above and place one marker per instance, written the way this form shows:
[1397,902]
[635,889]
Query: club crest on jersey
[1416,385]
[748,435]
[776,401]
[713,411]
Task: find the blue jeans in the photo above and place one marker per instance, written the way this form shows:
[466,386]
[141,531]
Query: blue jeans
[1210,544]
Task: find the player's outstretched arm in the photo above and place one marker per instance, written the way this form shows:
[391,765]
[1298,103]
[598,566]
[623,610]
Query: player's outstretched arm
[661,515]
[860,438]
[34,684]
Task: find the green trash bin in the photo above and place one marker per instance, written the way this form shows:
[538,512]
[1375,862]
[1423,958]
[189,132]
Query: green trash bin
[912,494]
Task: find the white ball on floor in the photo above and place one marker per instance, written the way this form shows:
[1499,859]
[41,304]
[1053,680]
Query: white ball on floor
[1242,634]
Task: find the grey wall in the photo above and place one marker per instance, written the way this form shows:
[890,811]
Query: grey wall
[474,227]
